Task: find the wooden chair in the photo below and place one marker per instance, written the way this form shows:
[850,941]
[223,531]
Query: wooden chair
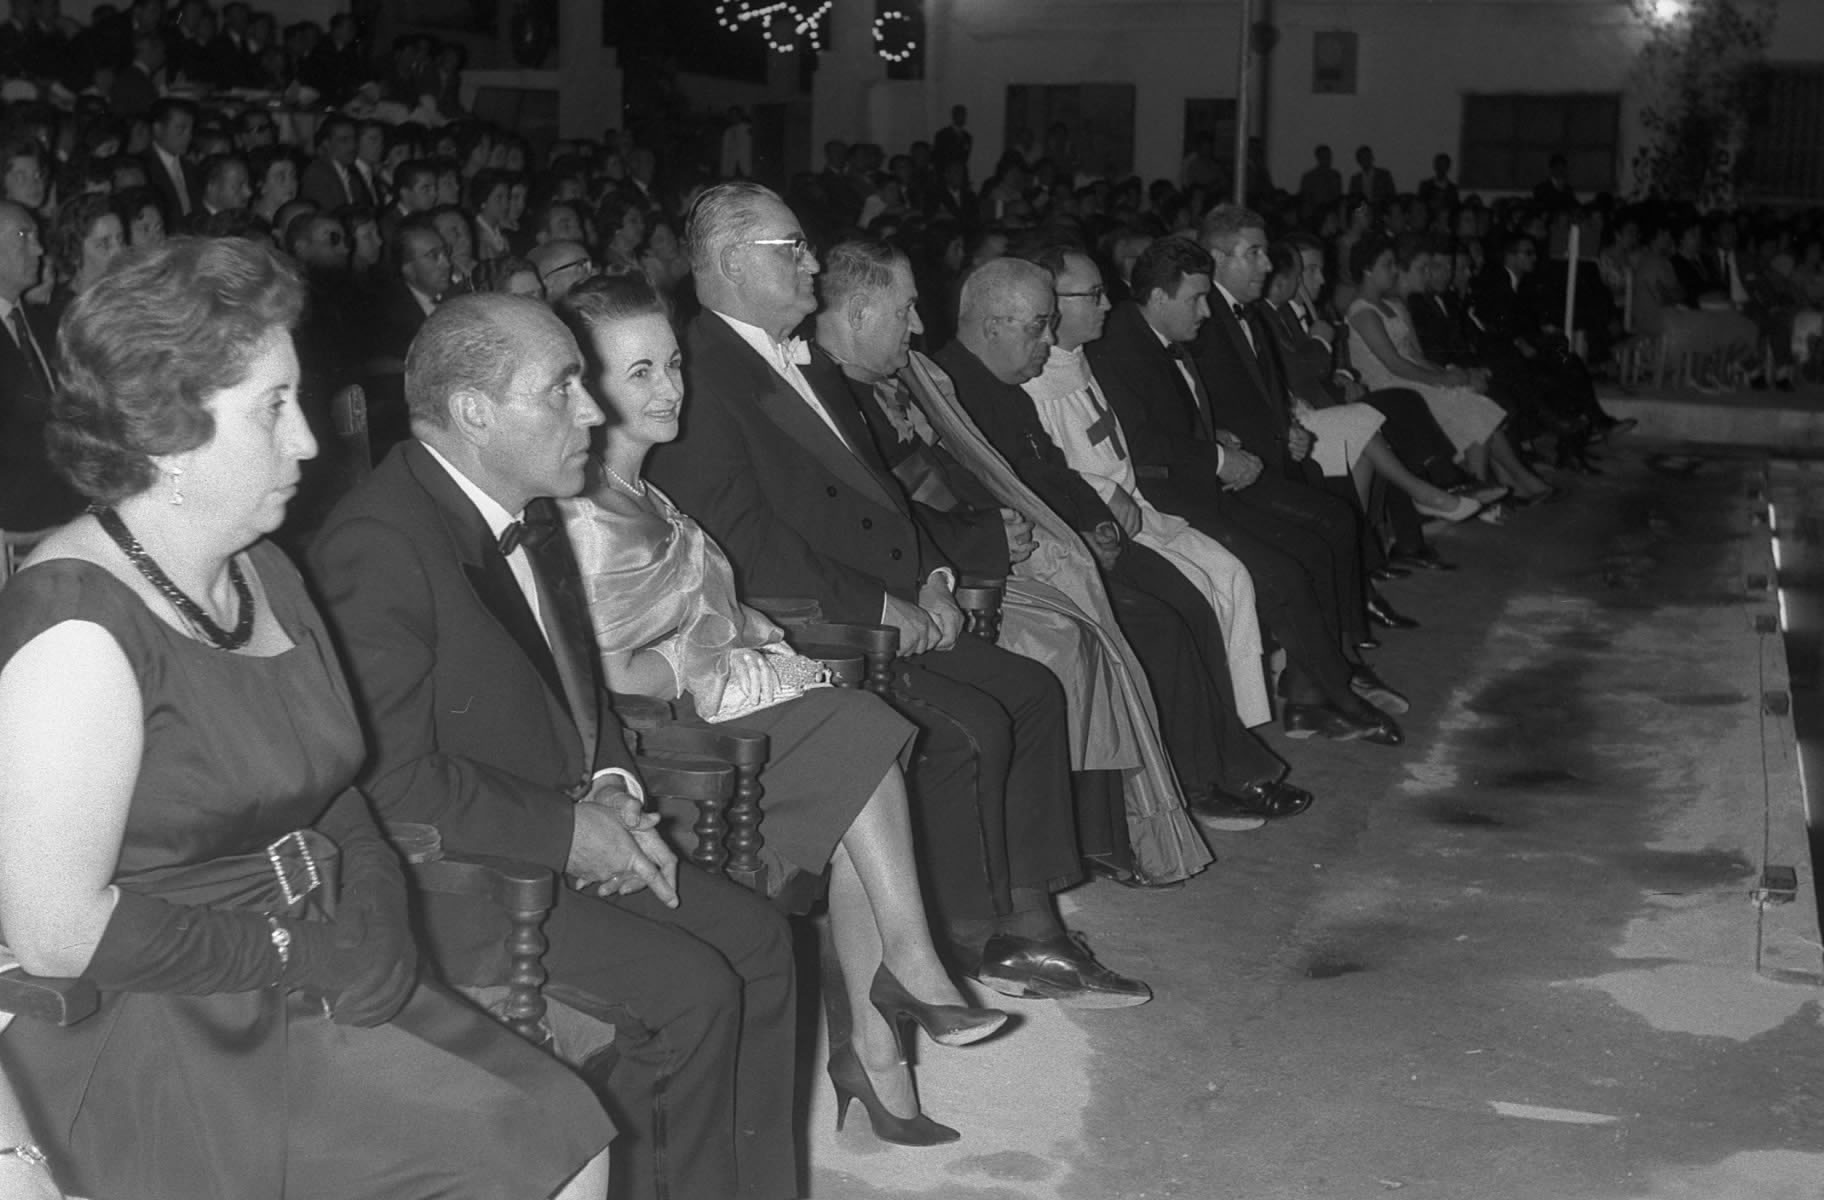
[980,597]
[13,549]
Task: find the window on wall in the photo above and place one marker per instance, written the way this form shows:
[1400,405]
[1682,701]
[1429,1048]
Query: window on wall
[1509,140]
[1784,157]
[1087,127]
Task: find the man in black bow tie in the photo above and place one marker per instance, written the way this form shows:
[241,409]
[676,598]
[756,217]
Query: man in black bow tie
[475,673]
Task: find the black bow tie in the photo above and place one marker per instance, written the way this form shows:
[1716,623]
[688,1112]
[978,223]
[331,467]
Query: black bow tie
[531,533]
[1240,313]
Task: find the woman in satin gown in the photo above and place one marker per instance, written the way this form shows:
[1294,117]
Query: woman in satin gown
[178,822]
[662,601]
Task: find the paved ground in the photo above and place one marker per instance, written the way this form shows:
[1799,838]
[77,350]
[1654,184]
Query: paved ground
[1512,959]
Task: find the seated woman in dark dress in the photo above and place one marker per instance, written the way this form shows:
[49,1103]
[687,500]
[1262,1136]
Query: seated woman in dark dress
[667,622]
[177,824]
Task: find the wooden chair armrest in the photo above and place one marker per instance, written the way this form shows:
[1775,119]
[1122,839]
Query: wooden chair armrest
[980,596]
[727,800]
[526,891]
[42,998]
[838,643]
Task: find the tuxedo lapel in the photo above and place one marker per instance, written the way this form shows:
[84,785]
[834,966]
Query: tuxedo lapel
[781,404]
[1238,341]
[487,571]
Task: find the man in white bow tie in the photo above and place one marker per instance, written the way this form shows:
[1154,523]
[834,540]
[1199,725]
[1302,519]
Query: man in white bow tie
[779,465]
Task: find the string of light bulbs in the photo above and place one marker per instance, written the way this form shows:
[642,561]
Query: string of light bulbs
[893,38]
[786,25]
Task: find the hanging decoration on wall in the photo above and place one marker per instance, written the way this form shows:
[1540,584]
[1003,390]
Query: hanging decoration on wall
[893,38]
[787,25]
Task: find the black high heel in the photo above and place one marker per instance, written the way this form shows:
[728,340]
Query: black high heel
[945,1024]
[850,1079]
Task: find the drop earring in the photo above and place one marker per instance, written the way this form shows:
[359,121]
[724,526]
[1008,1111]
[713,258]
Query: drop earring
[177,486]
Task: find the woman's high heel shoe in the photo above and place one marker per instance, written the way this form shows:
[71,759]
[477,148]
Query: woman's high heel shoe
[850,1079]
[945,1024]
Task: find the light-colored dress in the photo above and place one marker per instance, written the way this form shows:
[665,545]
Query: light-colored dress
[1074,412]
[653,579]
[1467,417]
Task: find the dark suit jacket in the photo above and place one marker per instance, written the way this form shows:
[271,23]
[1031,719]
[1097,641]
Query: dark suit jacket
[160,181]
[467,725]
[32,494]
[1504,313]
[1309,363]
[952,145]
[1008,419]
[393,319]
[949,502]
[322,185]
[1443,329]
[797,511]
[1247,388]
[1172,443]
[1380,187]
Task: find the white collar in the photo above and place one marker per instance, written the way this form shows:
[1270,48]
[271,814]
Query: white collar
[497,518]
[1233,302]
[774,352]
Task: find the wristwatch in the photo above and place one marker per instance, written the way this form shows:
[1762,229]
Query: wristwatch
[28,1154]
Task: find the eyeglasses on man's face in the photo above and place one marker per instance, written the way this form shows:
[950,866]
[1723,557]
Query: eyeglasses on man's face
[801,248]
[1093,295]
[585,263]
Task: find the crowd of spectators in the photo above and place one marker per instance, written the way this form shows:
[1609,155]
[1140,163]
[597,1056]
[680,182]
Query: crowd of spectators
[1184,432]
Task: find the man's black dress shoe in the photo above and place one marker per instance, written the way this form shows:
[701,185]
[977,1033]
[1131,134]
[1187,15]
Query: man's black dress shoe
[1222,812]
[1388,573]
[1384,614]
[1368,642]
[1273,799]
[1303,720]
[1058,968]
[1609,427]
[1372,688]
[1426,559]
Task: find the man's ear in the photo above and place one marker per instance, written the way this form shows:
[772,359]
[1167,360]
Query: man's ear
[855,310]
[730,264]
[471,415]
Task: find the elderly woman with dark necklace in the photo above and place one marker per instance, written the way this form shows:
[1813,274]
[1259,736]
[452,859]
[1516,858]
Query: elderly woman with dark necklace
[177,817]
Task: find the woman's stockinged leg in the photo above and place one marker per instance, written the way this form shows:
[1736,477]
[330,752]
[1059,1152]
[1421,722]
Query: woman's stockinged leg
[878,850]
[858,953]
[1388,465]
[1512,471]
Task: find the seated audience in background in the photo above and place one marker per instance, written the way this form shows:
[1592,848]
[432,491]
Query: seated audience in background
[1189,466]
[433,592]
[768,446]
[988,523]
[1347,432]
[668,623]
[1384,349]
[1225,770]
[173,862]
[275,181]
[33,495]
[1516,341]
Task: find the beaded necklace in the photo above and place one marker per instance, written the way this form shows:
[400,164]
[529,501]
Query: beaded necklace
[190,610]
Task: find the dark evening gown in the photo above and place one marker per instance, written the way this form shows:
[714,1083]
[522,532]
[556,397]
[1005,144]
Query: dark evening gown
[256,1095]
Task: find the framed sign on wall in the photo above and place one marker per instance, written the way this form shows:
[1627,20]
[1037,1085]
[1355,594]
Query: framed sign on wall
[1333,63]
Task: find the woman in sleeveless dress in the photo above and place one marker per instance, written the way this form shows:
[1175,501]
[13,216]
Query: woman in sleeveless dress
[177,818]
[662,601]
[1384,349]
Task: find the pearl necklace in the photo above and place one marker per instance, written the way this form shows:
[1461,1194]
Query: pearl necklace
[614,475]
